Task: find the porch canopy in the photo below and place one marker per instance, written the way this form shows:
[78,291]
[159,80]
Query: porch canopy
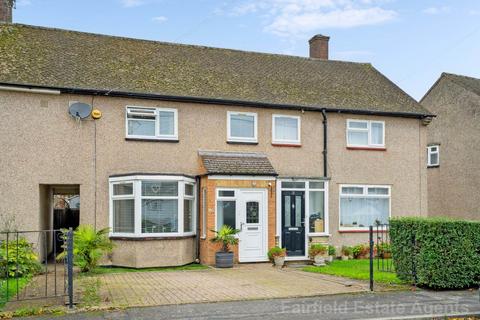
[236,163]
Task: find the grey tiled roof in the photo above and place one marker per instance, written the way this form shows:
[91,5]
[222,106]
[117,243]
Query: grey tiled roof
[236,163]
[50,57]
[469,83]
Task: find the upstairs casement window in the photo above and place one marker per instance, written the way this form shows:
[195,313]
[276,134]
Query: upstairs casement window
[152,123]
[365,134]
[285,129]
[242,127]
[433,156]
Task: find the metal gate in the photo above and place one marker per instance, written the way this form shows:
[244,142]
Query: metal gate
[36,265]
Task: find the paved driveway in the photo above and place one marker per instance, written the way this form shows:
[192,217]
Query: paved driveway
[244,282]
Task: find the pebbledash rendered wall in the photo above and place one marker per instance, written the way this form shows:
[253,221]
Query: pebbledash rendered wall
[43,145]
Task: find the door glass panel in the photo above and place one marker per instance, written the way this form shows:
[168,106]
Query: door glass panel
[252,212]
[287,213]
[298,211]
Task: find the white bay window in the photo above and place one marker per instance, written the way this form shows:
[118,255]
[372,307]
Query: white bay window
[152,206]
[363,206]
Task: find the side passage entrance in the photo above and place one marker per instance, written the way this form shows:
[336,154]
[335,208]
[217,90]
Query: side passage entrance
[293,222]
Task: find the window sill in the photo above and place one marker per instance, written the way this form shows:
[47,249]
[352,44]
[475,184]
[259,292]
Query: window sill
[152,140]
[359,230]
[367,148]
[291,145]
[323,234]
[431,167]
[243,142]
[147,238]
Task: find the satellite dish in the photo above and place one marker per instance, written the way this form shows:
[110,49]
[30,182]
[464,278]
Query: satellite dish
[80,110]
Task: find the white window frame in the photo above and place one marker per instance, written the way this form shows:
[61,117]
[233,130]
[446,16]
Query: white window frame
[220,198]
[363,195]
[156,112]
[429,155]
[231,138]
[286,141]
[137,196]
[368,130]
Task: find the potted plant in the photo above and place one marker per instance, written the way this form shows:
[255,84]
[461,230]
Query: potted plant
[346,252]
[227,237]
[384,250]
[317,252]
[331,253]
[277,256]
[360,251]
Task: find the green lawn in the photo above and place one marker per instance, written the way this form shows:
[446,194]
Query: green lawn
[356,269]
[106,270]
[12,289]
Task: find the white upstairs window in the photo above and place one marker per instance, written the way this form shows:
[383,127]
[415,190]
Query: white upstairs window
[152,123]
[365,133]
[433,156]
[242,127]
[285,129]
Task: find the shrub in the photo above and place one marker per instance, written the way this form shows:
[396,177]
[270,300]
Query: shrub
[317,249]
[226,236]
[89,246]
[20,254]
[346,251]
[276,252]
[331,250]
[360,251]
[445,252]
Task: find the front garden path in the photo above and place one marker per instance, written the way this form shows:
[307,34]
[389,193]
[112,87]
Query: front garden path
[243,282]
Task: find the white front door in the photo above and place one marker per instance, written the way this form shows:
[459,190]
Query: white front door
[252,218]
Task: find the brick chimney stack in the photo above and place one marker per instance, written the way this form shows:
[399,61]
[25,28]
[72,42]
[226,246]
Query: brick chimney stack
[319,47]
[6,7]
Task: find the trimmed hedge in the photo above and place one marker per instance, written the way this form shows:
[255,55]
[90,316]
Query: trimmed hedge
[446,254]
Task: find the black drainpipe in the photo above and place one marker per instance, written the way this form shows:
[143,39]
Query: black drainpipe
[197,237]
[325,125]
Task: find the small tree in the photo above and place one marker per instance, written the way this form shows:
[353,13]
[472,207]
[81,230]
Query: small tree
[226,236]
[89,246]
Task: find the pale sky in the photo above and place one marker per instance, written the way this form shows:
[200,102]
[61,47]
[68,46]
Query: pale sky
[411,41]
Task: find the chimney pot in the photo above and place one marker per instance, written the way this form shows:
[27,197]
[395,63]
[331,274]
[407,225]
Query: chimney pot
[6,7]
[319,47]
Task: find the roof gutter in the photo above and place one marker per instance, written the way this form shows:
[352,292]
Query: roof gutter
[217,101]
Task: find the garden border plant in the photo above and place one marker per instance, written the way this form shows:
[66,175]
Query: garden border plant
[441,253]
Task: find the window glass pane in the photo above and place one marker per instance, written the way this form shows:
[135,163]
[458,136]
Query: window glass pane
[242,126]
[141,127]
[159,215]
[167,123]
[226,214]
[352,190]
[358,125]
[378,191]
[226,193]
[188,215]
[298,211]
[316,185]
[433,149]
[253,212]
[286,128]
[316,214]
[189,189]
[377,133]
[434,158]
[287,214]
[363,212]
[358,138]
[123,216]
[159,188]
[293,184]
[123,189]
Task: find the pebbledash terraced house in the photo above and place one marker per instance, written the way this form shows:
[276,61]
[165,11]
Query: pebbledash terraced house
[184,139]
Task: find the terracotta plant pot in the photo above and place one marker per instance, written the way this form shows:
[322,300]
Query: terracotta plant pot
[279,261]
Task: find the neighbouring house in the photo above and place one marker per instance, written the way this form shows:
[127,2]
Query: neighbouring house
[290,150]
[453,147]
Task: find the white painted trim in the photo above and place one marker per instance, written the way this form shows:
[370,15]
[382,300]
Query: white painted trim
[156,113]
[28,90]
[282,141]
[243,139]
[429,155]
[369,133]
[225,177]
[364,194]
